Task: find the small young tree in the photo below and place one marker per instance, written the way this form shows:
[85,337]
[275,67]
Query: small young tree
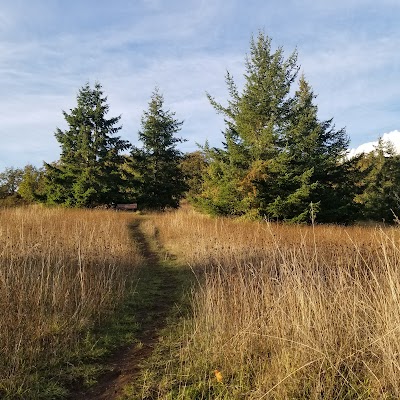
[88,172]
[159,179]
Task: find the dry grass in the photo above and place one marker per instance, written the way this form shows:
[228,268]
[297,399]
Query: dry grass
[60,270]
[286,312]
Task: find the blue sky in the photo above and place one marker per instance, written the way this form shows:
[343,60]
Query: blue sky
[348,51]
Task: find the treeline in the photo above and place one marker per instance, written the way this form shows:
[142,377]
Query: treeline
[279,161]
[97,168]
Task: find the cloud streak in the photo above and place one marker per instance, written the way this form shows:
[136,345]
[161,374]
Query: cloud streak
[355,82]
[48,52]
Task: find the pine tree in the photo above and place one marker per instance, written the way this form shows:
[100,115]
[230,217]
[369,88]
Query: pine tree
[255,120]
[310,167]
[221,194]
[278,158]
[380,199]
[156,166]
[88,172]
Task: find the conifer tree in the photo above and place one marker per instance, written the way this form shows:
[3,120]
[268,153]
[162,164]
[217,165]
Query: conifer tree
[310,165]
[277,156]
[221,192]
[380,199]
[88,172]
[255,120]
[158,177]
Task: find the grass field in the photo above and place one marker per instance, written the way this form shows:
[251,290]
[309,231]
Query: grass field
[61,272]
[276,311]
[282,312]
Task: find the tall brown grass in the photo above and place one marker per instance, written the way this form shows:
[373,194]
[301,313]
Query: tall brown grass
[286,312]
[60,270]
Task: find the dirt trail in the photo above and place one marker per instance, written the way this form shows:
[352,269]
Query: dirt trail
[158,290]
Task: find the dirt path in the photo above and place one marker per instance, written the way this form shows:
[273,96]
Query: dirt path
[159,288]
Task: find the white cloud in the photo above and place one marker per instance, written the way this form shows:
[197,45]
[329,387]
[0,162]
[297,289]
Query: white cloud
[392,137]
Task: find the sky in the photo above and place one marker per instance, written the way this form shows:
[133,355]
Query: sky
[348,51]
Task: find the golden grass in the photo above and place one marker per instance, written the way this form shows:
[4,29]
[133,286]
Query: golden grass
[287,312]
[60,270]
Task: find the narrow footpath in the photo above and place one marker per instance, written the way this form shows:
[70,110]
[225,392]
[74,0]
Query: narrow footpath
[160,288]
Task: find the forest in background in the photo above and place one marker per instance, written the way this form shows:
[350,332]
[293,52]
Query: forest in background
[279,161]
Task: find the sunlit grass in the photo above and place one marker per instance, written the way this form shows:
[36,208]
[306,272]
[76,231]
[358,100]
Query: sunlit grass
[284,312]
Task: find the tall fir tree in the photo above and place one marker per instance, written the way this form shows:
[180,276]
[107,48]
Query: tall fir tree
[277,156]
[255,119]
[158,177]
[88,172]
[310,167]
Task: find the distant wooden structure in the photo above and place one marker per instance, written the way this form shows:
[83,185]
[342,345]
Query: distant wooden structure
[126,207]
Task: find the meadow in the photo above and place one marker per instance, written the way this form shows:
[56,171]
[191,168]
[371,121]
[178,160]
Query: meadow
[282,311]
[275,311]
[61,272]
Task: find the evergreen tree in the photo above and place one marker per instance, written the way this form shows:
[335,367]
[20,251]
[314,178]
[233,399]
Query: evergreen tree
[380,199]
[156,166]
[277,156]
[221,192]
[310,167]
[88,172]
[255,121]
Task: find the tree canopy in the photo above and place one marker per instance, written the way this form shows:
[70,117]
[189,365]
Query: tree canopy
[278,160]
[278,157]
[380,197]
[159,181]
[10,180]
[88,172]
